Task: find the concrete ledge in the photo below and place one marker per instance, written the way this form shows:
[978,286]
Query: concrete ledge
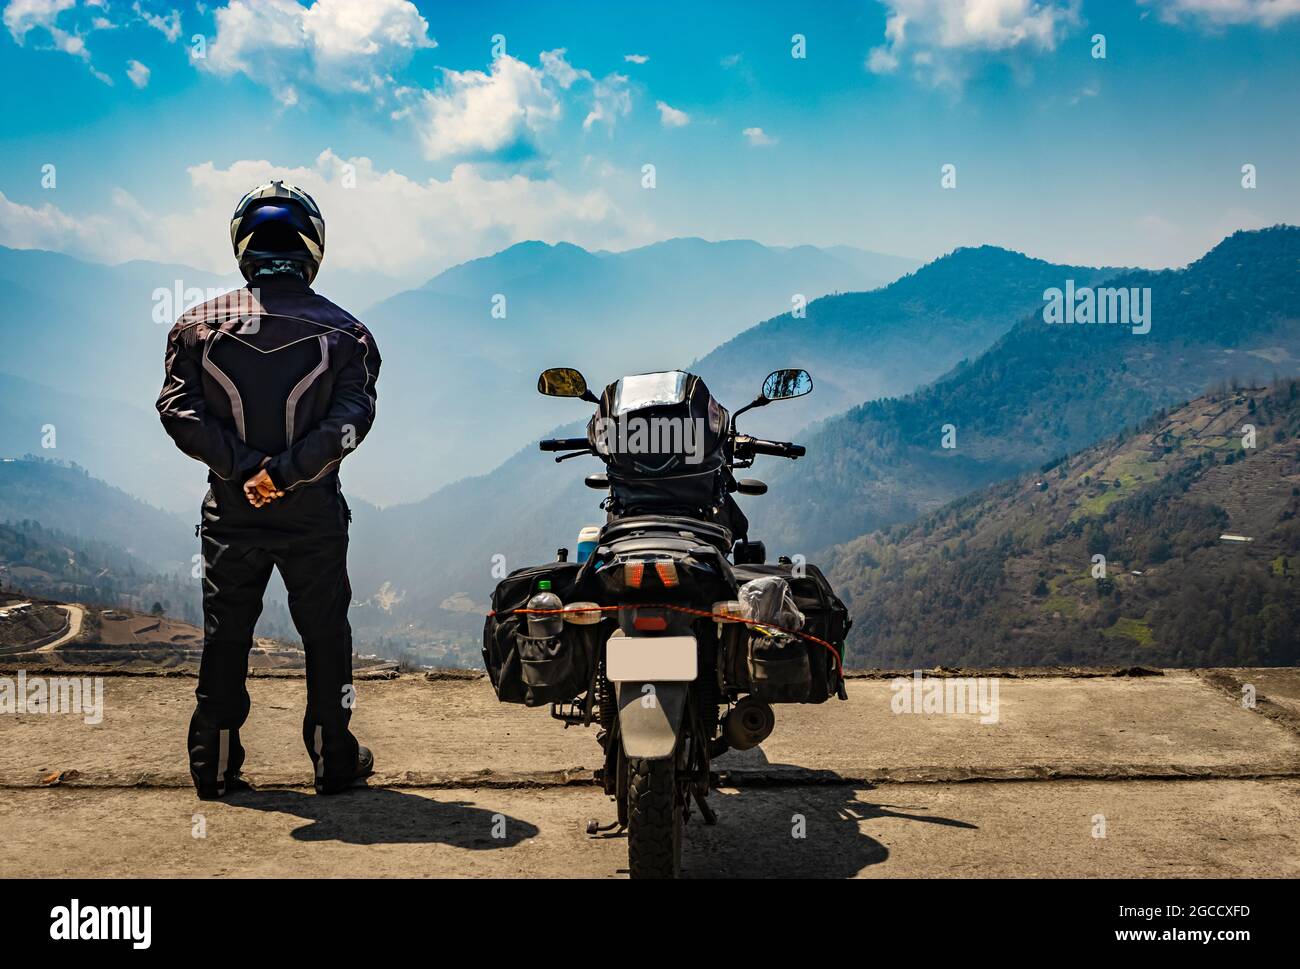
[449,731]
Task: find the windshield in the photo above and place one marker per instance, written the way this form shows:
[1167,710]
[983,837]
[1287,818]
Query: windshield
[649,390]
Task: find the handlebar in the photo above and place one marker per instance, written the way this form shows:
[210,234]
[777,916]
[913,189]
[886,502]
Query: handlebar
[746,445]
[564,444]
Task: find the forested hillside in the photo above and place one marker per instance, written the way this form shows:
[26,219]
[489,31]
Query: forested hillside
[1115,555]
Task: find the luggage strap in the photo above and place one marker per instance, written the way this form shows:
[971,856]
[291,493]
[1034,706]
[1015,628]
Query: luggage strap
[702,613]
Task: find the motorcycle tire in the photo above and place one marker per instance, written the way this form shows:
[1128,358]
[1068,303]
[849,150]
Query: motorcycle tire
[654,829]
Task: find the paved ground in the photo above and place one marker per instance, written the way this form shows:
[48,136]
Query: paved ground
[1178,776]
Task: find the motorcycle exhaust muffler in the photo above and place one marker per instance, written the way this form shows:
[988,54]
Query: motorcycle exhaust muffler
[748,723]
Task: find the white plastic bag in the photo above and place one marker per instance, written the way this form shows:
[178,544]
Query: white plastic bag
[769,600]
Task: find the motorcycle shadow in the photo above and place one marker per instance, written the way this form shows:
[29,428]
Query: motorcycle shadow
[377,815]
[797,831]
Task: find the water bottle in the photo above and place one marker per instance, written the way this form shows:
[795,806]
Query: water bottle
[545,625]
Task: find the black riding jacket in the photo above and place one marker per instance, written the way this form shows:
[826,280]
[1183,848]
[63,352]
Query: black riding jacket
[276,371]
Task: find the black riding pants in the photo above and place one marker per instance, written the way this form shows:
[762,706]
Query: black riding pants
[237,563]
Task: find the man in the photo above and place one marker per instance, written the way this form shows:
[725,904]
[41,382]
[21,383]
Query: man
[271,387]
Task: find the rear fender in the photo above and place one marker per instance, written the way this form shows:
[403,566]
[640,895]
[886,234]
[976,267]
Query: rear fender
[650,718]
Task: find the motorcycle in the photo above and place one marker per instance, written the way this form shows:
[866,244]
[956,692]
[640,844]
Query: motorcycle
[669,632]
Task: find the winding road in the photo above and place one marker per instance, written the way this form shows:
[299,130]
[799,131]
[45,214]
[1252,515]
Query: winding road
[75,616]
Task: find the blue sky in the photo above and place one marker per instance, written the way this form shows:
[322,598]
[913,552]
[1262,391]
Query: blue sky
[426,146]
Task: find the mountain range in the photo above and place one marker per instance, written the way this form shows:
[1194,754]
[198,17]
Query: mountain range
[984,390]
[473,339]
[456,389]
[1041,391]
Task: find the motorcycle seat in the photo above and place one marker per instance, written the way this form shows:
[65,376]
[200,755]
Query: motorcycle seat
[659,527]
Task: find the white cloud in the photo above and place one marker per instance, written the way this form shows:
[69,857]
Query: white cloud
[478,113]
[731,60]
[27,227]
[758,138]
[502,112]
[611,100]
[882,61]
[169,25]
[331,45]
[21,17]
[1264,13]
[138,73]
[635,58]
[389,224]
[936,36]
[670,117]
[556,67]
[109,237]
[610,97]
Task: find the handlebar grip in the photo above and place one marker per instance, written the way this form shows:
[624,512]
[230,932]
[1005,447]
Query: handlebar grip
[563,444]
[778,449]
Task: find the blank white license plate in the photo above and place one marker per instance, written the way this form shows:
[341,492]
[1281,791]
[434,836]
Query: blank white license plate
[640,659]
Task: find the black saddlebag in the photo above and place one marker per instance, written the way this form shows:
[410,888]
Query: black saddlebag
[528,670]
[784,669]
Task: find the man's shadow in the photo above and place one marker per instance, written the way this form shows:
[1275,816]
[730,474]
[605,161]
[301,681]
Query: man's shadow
[800,831]
[378,815]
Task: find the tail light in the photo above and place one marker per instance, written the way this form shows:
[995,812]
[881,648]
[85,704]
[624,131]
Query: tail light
[650,624]
[667,572]
[665,569]
[633,572]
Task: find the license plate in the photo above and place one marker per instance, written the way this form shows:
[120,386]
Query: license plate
[647,659]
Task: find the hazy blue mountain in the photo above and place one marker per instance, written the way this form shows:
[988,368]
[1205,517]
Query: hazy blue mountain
[457,390]
[70,500]
[879,264]
[119,441]
[1044,390]
[468,393]
[860,346]
[87,328]
[84,353]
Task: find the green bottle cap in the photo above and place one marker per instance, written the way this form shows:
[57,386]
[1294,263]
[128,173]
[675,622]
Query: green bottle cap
[544,585]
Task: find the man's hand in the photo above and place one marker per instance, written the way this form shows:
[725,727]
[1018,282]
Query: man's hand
[261,490]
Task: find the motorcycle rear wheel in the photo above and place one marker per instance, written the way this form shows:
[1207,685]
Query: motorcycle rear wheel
[655,820]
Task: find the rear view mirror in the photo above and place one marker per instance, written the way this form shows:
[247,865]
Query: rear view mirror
[562,382]
[784,384]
